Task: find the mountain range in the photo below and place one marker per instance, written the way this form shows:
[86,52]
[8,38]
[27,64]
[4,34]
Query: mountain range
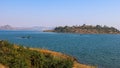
[35,28]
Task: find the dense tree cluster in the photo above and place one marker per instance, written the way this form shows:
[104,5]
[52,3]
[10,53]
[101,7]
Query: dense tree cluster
[22,57]
[98,29]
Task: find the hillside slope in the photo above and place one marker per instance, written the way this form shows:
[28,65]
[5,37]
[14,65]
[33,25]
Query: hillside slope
[13,56]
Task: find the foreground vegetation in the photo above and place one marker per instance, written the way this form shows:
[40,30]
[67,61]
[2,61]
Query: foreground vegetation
[86,29]
[13,56]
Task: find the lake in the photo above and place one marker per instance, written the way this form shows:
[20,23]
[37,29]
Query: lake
[102,50]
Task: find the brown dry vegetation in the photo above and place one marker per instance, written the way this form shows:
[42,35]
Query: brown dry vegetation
[56,55]
[60,55]
[3,66]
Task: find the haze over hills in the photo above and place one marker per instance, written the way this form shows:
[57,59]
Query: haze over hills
[35,28]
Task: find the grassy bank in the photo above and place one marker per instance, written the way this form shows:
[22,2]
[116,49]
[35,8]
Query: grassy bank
[13,56]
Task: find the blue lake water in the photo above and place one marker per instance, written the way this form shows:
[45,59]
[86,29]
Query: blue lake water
[102,50]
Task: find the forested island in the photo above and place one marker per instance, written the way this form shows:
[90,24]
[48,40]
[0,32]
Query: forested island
[86,29]
[14,56]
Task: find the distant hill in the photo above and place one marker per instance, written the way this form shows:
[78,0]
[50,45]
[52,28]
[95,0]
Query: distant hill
[41,28]
[86,29]
[38,28]
[6,27]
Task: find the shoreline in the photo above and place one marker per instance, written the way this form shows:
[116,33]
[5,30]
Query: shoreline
[61,55]
[54,54]
[76,32]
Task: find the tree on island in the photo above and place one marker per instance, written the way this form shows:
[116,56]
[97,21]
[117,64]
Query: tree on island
[87,29]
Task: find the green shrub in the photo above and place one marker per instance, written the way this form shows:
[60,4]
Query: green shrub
[22,57]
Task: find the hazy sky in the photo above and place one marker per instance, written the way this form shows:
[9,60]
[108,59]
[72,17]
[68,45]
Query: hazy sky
[59,12]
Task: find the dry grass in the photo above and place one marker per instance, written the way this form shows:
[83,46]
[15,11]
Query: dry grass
[78,65]
[60,55]
[3,66]
[56,55]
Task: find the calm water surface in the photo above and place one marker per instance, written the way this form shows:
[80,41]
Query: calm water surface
[102,50]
